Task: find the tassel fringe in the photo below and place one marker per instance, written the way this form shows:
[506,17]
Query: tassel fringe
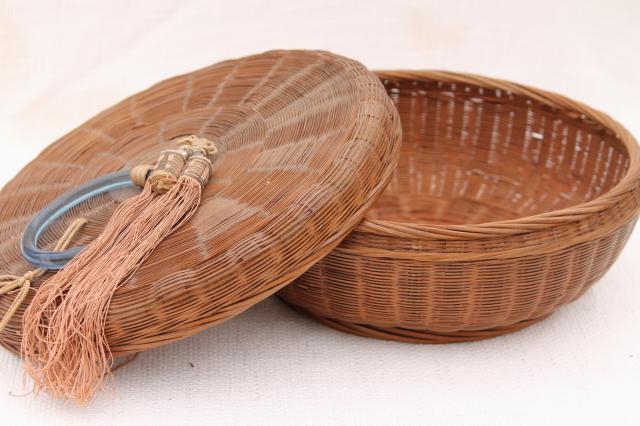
[64,345]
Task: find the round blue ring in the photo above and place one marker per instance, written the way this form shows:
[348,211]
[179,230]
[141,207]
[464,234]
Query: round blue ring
[57,260]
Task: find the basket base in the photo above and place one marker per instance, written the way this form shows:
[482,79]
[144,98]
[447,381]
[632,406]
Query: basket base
[416,336]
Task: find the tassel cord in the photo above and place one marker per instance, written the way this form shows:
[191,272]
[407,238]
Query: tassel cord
[64,344]
[9,284]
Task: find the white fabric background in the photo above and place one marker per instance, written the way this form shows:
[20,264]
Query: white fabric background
[63,61]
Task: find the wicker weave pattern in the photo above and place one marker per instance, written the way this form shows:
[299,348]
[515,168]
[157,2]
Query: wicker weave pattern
[507,202]
[307,141]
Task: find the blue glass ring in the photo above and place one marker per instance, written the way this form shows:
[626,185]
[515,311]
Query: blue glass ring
[40,223]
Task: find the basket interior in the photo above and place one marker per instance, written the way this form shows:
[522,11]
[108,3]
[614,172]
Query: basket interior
[473,155]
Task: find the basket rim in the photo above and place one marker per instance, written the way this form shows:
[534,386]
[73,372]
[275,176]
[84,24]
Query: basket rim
[630,180]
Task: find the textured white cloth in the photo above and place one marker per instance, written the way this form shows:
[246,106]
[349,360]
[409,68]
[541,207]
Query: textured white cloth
[62,62]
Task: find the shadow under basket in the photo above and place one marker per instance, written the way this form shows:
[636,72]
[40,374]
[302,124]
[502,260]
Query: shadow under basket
[507,203]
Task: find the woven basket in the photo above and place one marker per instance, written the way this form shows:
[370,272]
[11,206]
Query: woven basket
[307,141]
[508,202]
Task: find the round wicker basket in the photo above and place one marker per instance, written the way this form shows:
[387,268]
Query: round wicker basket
[508,202]
[307,141]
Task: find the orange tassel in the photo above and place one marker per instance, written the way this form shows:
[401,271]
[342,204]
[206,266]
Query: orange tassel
[64,345]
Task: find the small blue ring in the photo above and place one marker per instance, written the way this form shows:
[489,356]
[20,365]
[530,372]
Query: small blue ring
[57,260]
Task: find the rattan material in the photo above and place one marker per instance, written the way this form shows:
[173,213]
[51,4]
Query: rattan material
[508,202]
[307,141]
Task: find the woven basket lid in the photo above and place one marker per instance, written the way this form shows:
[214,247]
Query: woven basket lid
[307,142]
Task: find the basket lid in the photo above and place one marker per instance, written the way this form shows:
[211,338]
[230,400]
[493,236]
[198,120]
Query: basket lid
[307,140]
